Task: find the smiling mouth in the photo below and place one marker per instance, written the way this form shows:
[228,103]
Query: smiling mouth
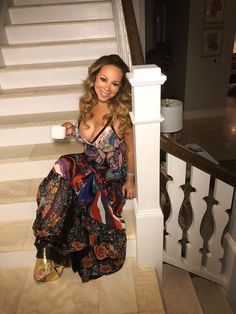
[104,94]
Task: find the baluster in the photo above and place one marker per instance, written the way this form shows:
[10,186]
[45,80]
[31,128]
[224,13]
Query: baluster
[165,201]
[207,225]
[223,193]
[185,217]
[226,229]
[176,168]
[200,180]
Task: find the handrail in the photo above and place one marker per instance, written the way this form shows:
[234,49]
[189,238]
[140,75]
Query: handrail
[169,146]
[4,19]
[132,31]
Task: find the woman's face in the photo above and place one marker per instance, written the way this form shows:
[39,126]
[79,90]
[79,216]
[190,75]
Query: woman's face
[107,82]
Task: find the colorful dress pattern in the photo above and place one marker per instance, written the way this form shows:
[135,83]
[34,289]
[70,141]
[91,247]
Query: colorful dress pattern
[79,207]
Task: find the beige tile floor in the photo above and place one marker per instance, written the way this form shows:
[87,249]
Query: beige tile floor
[131,290]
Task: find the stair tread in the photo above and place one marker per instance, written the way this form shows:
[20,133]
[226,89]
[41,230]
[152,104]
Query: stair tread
[38,119]
[58,22]
[34,66]
[41,90]
[56,4]
[45,151]
[175,300]
[19,191]
[21,237]
[24,190]
[59,43]
[211,296]
[16,6]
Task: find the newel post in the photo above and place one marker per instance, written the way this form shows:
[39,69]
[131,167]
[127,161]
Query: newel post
[146,83]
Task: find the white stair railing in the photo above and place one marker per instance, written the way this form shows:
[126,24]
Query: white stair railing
[199,206]
[146,81]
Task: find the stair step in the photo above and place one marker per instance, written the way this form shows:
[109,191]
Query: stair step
[60,31]
[211,296]
[18,197]
[60,12]
[19,242]
[39,91]
[47,65]
[58,51]
[178,292]
[41,119]
[41,99]
[22,238]
[19,191]
[17,154]
[32,128]
[30,161]
[46,74]
[39,104]
[36,2]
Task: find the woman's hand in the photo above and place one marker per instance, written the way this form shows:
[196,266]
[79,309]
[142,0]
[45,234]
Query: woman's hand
[69,128]
[128,188]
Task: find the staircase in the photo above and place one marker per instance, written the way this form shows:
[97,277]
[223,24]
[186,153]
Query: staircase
[50,44]
[185,293]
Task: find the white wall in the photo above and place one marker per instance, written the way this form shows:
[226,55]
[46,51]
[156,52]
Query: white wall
[207,78]
[200,82]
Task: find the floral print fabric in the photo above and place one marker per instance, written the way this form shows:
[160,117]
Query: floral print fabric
[79,208]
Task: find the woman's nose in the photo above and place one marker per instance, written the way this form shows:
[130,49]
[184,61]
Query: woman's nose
[107,86]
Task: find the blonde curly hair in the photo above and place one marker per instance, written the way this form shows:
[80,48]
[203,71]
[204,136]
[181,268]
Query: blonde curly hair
[119,105]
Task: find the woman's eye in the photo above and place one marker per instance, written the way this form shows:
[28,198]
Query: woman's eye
[116,84]
[103,79]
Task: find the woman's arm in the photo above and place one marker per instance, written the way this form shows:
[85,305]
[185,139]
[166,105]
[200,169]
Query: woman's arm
[129,186]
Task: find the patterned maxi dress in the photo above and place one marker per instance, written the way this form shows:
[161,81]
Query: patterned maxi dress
[79,208]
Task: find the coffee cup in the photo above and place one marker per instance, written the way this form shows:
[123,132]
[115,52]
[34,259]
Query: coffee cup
[58,132]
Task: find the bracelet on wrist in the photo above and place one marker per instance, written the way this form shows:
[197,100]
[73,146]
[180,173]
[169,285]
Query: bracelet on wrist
[131,174]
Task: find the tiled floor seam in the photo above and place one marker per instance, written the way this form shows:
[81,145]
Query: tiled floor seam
[135,290]
[22,289]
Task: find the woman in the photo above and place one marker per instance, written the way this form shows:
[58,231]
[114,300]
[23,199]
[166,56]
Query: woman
[81,200]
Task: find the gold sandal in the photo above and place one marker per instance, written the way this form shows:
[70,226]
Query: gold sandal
[47,270]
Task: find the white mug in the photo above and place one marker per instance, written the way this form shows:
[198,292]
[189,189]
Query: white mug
[58,132]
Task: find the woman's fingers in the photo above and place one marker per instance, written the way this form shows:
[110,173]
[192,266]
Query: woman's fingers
[128,193]
[69,128]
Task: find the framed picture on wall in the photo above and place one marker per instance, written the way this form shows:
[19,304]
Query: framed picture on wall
[212,41]
[214,11]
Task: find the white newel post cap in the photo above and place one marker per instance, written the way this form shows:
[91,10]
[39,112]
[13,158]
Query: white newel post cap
[146,81]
